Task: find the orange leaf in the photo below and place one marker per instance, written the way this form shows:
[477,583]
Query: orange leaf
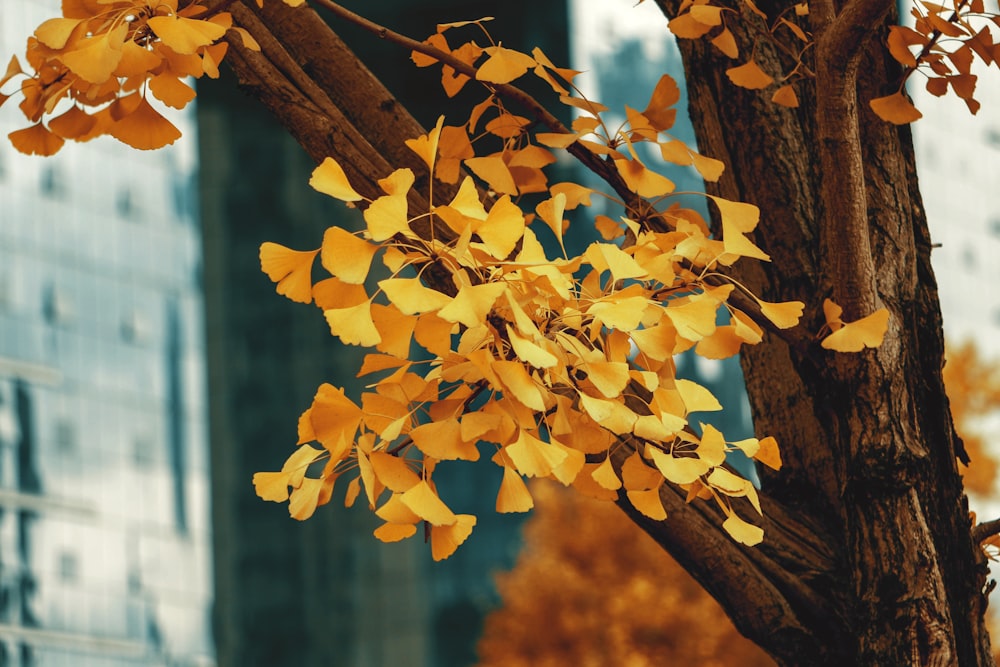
[303,500]
[394,532]
[443,441]
[412,297]
[346,256]
[393,472]
[333,417]
[185,35]
[425,503]
[786,97]
[354,325]
[504,65]
[98,56]
[768,453]
[171,91]
[533,457]
[426,146]
[290,269]
[726,43]
[749,75]
[74,123]
[36,140]
[648,502]
[513,495]
[445,539]
[145,128]
[896,109]
[605,475]
[494,171]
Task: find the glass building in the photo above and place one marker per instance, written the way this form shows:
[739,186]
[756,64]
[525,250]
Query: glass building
[104,535]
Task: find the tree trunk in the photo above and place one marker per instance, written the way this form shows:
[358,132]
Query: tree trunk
[868,557]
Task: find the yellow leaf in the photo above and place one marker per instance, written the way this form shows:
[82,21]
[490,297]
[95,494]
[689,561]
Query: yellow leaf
[743,532]
[394,532]
[354,325]
[556,139]
[586,485]
[727,482]
[686,27]
[739,218]
[333,416]
[393,471]
[395,329]
[386,217]
[184,35]
[678,470]
[750,446]
[412,297]
[335,293]
[712,448]
[855,336]
[722,344]
[896,109]
[642,181]
[551,212]
[290,269]
[637,476]
[145,128]
[567,471]
[784,315]
[610,377]
[520,384]
[425,503]
[353,489]
[696,398]
[97,57]
[532,457]
[656,342]
[623,314]
[395,511]
[529,351]
[494,171]
[513,495]
[36,140]
[605,475]
[695,318]
[303,500]
[272,486]
[171,91]
[445,539]
[504,65]
[768,453]
[472,304]
[709,168]
[502,229]
[426,146]
[54,33]
[609,257]
[346,256]
[749,75]
[434,334]
[443,440]
[726,43]
[648,502]
[786,97]
[330,179]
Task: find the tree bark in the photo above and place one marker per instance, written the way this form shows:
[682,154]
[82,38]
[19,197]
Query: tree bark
[868,557]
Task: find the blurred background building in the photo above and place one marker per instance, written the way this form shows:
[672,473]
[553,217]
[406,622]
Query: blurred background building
[104,534]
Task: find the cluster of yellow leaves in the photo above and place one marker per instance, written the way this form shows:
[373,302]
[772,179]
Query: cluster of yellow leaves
[698,18]
[606,594]
[95,68]
[550,363]
[943,44]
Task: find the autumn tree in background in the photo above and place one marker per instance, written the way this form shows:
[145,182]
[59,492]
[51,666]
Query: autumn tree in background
[592,590]
[973,385]
[814,266]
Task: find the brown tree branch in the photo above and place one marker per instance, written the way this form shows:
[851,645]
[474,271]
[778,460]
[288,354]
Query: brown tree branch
[987,529]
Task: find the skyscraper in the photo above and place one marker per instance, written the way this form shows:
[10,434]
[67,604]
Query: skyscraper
[104,535]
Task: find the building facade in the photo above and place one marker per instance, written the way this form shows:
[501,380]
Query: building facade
[104,534]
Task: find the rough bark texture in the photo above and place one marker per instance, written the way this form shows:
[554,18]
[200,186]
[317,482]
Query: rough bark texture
[868,558]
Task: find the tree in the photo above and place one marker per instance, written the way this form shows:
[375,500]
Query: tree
[870,555]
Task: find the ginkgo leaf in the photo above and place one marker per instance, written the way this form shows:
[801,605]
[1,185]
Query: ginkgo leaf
[533,457]
[786,97]
[303,500]
[528,350]
[722,344]
[513,495]
[656,342]
[855,336]
[783,315]
[749,75]
[726,43]
[346,256]
[743,532]
[290,269]
[387,216]
[712,448]
[145,128]
[97,56]
[609,257]
[623,314]
[709,168]
[504,65]
[426,146]
[411,296]
[395,329]
[333,416]
[354,325]
[695,318]
[36,140]
[494,171]
[768,453]
[393,471]
[394,532]
[503,228]
[648,502]
[696,398]
[686,27]
[643,181]
[636,475]
[171,91]
[520,384]
[739,218]
[605,475]
[185,35]
[443,440]
[895,108]
[610,377]
[271,486]
[472,304]
[445,539]
[678,470]
[425,503]
[330,179]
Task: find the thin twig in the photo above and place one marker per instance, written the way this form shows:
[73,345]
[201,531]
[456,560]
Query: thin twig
[982,531]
